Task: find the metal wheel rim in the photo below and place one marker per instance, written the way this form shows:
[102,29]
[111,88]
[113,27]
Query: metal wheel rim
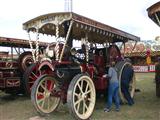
[83,97]
[132,85]
[48,103]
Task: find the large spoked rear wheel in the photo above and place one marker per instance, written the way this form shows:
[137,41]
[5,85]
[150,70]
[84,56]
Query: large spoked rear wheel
[81,97]
[29,77]
[43,94]
[120,66]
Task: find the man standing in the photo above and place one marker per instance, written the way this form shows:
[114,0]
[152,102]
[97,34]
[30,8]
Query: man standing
[127,76]
[157,77]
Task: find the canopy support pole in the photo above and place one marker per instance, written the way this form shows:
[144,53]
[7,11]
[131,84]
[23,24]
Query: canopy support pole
[157,19]
[66,40]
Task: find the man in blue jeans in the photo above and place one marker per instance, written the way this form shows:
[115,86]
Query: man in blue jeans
[126,78]
[113,88]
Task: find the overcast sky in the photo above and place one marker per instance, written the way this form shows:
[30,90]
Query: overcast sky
[128,15]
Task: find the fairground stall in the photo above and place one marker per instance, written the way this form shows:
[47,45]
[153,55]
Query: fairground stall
[144,56]
[154,14]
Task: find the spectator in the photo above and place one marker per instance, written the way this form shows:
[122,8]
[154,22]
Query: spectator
[157,77]
[113,88]
[126,78]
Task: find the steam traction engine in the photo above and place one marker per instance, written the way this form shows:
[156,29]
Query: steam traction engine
[73,75]
[14,59]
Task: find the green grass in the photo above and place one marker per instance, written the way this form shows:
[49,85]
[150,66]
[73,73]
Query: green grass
[147,106]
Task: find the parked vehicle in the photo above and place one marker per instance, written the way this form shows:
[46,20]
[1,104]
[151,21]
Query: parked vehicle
[74,76]
[15,57]
[154,13]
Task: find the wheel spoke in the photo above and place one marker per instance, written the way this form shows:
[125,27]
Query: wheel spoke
[80,88]
[51,86]
[82,84]
[86,106]
[34,74]
[89,91]
[43,87]
[41,100]
[83,106]
[48,103]
[78,101]
[77,95]
[86,87]
[78,106]
[89,99]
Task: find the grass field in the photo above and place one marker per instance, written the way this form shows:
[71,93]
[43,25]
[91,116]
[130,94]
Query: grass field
[147,106]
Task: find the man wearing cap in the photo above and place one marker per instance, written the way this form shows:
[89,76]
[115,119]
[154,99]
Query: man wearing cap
[157,77]
[126,78]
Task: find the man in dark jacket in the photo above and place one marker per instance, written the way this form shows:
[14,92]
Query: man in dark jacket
[157,77]
[127,76]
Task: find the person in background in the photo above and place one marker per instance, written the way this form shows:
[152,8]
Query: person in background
[127,75]
[112,88]
[157,77]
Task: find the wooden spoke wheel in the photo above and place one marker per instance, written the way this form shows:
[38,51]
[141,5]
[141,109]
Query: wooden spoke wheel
[120,66]
[30,76]
[43,94]
[25,60]
[81,97]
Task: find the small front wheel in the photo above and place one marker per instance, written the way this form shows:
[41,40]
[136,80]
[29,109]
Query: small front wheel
[43,94]
[81,97]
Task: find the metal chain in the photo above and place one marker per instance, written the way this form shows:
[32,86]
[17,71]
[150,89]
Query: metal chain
[31,46]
